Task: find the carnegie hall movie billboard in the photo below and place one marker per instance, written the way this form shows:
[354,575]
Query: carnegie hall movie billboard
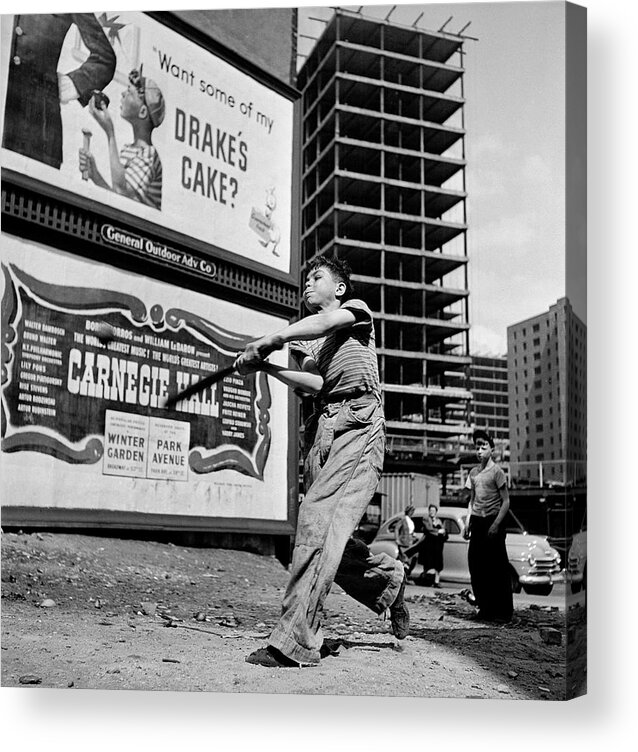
[119,109]
[87,412]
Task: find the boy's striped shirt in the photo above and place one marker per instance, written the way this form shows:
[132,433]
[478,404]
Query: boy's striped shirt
[347,358]
[143,170]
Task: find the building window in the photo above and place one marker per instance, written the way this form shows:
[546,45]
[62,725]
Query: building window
[537,370]
[539,413]
[536,327]
[538,398]
[537,342]
[539,442]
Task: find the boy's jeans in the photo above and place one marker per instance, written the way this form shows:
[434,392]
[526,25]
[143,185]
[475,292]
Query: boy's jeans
[341,472]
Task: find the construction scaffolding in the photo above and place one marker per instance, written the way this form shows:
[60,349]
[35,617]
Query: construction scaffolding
[384,188]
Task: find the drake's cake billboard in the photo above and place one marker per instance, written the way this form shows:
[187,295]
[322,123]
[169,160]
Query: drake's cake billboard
[119,109]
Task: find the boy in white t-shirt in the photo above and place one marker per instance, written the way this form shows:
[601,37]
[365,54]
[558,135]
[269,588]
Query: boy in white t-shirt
[487,555]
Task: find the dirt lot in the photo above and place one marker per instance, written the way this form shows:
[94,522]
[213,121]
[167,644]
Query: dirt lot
[89,612]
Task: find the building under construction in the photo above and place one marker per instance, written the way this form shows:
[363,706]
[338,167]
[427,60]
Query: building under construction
[384,188]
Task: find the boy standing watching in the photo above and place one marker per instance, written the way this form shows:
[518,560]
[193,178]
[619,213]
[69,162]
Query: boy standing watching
[344,449]
[487,555]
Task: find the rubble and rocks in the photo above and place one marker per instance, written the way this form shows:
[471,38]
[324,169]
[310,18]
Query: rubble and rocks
[551,636]
[222,604]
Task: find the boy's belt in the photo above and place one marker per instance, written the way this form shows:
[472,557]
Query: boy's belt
[346,396]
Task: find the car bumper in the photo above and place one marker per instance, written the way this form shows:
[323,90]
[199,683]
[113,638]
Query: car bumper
[541,578]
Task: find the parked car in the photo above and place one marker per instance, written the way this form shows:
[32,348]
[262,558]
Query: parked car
[534,564]
[577,562]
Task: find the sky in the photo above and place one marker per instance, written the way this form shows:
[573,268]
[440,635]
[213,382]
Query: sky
[515,150]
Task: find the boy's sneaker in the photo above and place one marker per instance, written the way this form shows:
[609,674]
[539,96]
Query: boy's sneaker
[399,615]
[270,657]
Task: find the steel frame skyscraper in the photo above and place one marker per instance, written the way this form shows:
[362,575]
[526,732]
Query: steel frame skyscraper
[384,188]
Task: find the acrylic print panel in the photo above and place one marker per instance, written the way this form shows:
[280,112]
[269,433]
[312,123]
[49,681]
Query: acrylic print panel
[441,178]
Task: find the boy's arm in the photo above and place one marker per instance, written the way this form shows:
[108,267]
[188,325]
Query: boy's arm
[307,381]
[505,505]
[88,166]
[468,492]
[312,327]
[118,173]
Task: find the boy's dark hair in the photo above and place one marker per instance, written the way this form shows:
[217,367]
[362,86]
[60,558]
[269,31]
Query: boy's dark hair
[338,268]
[481,435]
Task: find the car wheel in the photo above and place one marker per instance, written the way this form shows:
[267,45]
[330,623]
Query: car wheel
[576,587]
[538,589]
[516,585]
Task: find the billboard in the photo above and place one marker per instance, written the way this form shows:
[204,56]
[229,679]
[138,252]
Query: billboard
[120,110]
[87,411]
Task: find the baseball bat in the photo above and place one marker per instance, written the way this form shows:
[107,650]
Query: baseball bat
[200,385]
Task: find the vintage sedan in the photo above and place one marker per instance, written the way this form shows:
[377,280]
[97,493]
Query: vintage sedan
[534,564]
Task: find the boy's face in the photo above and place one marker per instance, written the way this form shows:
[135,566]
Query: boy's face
[483,450]
[132,103]
[321,289]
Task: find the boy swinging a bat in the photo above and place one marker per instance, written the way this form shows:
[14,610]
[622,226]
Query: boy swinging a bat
[344,439]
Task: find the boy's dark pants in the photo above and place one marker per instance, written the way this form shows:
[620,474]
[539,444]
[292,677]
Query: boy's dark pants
[490,570]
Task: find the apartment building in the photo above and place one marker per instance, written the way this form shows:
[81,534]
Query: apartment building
[547,363]
[489,407]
